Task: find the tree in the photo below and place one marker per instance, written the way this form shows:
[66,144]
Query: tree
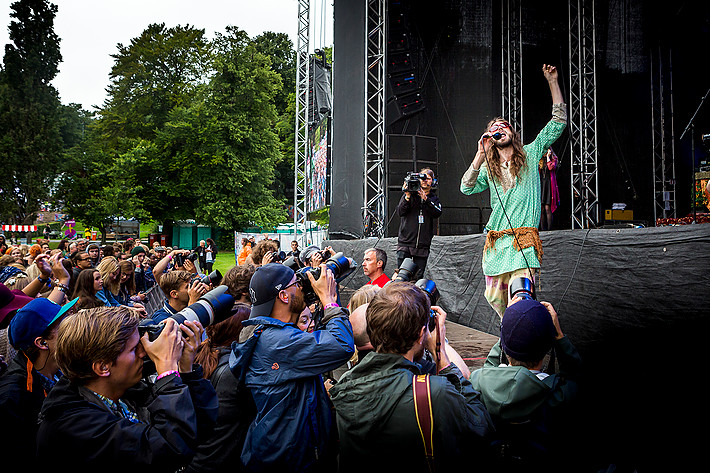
[279,48]
[226,144]
[31,144]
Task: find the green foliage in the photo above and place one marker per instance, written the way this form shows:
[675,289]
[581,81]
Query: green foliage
[30,146]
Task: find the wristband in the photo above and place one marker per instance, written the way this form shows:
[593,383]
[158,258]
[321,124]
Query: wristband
[168,373]
[43,280]
[332,304]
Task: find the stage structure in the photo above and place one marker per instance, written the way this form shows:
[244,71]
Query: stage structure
[382,75]
[512,64]
[663,135]
[583,114]
[300,191]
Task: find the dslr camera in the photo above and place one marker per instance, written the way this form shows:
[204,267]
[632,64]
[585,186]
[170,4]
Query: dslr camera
[212,308]
[413,181]
[340,265]
[213,279]
[180,259]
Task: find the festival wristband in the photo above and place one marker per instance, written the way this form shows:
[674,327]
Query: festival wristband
[168,373]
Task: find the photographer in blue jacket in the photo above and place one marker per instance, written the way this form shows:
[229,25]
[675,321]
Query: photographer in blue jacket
[282,365]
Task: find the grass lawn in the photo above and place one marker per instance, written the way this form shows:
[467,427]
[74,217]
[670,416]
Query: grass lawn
[224,261]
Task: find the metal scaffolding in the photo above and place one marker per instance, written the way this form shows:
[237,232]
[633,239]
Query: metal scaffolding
[375,185]
[663,137]
[583,114]
[512,64]
[300,214]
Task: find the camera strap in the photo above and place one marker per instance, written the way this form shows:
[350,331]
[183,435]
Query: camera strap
[421,387]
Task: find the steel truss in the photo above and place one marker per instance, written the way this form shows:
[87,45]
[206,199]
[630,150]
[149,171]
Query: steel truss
[663,137]
[300,213]
[375,173]
[583,114]
[512,64]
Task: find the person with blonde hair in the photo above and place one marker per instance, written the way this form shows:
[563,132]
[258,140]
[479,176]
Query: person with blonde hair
[111,279]
[107,414]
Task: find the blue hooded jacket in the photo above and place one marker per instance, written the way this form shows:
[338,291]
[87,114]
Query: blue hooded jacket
[282,366]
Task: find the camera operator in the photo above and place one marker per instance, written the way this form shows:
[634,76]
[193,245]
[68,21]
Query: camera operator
[181,289]
[282,366]
[417,211]
[375,401]
[103,415]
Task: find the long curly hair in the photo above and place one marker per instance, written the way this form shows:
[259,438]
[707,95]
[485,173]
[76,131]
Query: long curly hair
[517,162]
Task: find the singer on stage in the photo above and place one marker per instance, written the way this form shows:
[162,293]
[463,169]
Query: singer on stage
[509,169]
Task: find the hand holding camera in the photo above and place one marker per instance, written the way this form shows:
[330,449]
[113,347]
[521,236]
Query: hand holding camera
[324,287]
[166,350]
[437,337]
[196,290]
[192,336]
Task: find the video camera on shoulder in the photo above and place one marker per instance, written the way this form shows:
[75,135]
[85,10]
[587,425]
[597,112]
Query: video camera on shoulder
[413,181]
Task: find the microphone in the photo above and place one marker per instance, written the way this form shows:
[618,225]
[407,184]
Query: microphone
[497,135]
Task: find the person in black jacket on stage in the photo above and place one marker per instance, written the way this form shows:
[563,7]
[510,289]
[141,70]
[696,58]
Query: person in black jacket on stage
[417,211]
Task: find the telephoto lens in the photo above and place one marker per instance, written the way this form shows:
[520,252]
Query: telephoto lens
[429,287]
[406,271]
[523,288]
[212,308]
[340,265]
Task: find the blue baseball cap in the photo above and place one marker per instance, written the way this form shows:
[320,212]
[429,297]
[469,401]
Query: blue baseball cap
[33,319]
[265,285]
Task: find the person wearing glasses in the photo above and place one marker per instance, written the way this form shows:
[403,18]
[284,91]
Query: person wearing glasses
[509,169]
[281,365]
[417,212]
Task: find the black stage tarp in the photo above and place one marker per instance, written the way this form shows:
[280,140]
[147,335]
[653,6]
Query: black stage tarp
[633,301]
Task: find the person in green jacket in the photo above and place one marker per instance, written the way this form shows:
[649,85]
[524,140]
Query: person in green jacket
[528,405]
[509,169]
[375,403]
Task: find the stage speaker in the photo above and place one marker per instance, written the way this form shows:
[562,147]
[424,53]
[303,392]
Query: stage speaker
[404,154]
[403,92]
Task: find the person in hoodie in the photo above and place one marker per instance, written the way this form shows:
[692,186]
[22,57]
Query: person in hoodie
[374,401]
[527,405]
[282,365]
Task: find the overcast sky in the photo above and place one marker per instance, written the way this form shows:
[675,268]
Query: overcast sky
[91,29]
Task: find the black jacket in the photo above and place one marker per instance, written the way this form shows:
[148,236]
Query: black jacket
[176,413]
[412,233]
[19,408]
[222,450]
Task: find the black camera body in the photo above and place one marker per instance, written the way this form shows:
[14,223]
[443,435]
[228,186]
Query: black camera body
[180,259]
[523,288]
[413,181]
[213,279]
[210,309]
[340,265]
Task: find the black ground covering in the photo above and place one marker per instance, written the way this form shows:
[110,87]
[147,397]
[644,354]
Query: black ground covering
[634,302]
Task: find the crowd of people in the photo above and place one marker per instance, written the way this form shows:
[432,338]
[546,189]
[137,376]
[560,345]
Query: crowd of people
[292,379]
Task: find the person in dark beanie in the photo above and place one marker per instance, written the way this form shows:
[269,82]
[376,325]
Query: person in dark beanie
[31,374]
[527,404]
